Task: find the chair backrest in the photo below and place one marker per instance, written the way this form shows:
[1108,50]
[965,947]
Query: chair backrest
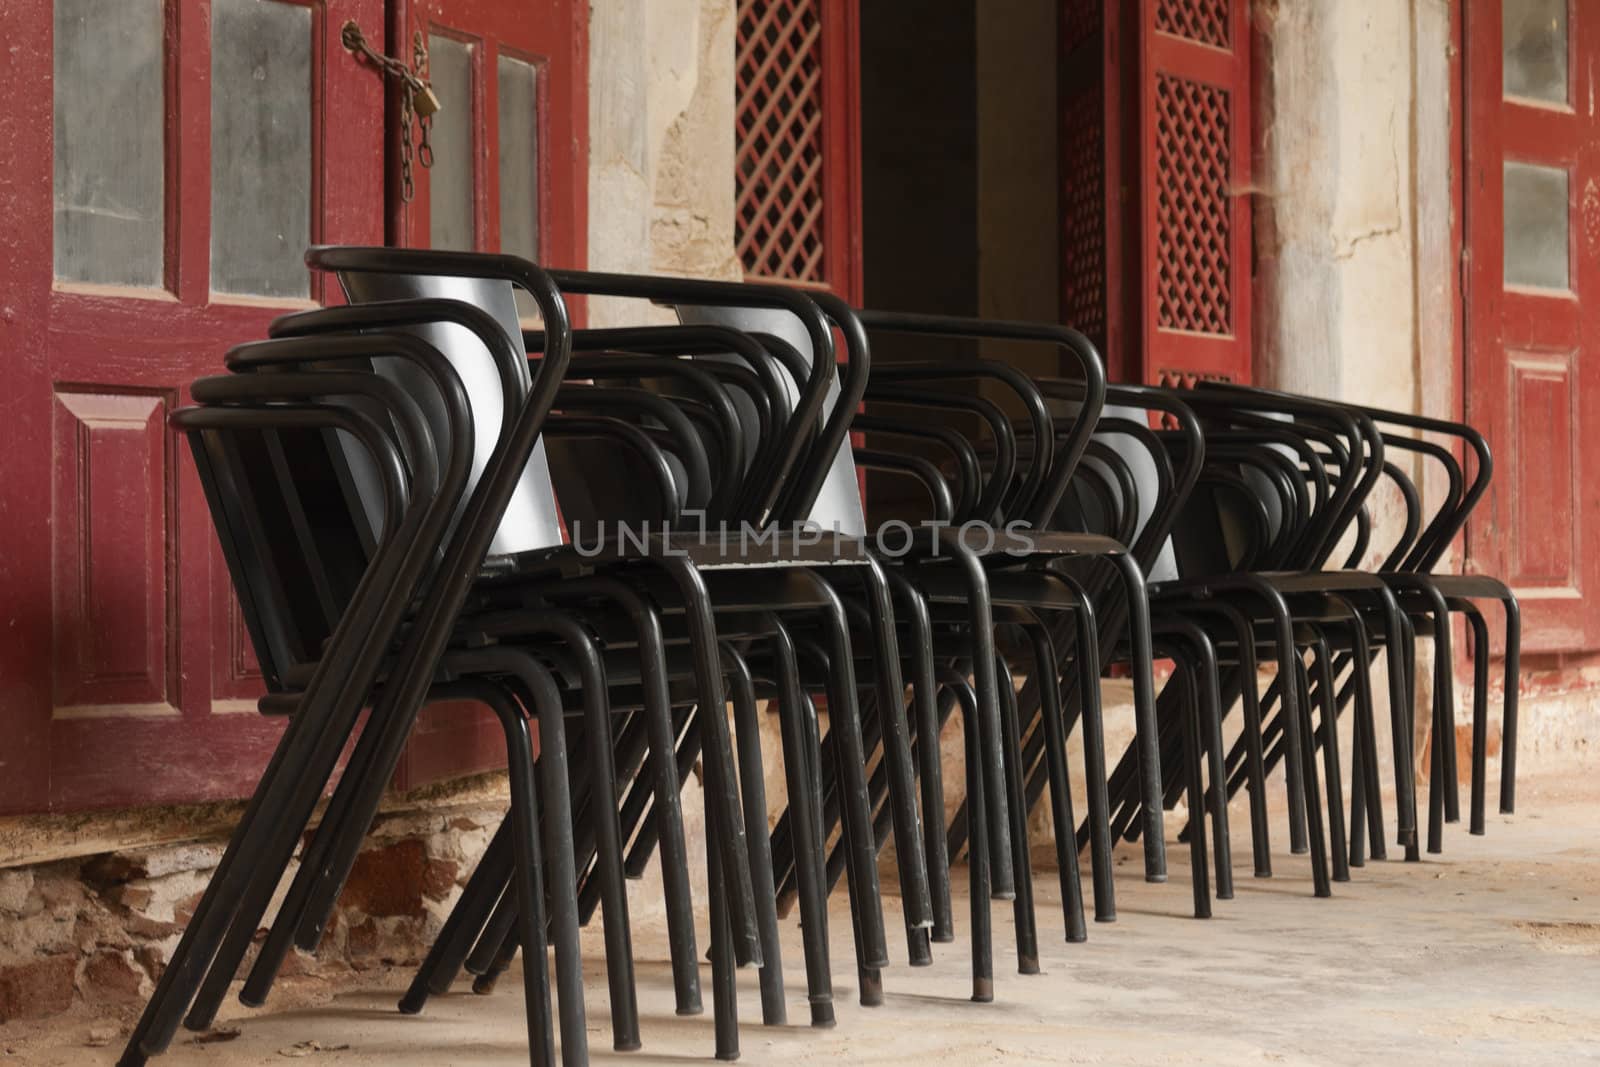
[531,519]
[1138,461]
[839,502]
[289,525]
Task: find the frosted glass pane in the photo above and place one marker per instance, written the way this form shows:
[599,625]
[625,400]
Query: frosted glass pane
[1535,226]
[260,147]
[1533,42]
[108,146]
[518,94]
[450,180]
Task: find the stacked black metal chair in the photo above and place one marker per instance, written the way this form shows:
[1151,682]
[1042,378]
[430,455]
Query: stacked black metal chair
[413,494]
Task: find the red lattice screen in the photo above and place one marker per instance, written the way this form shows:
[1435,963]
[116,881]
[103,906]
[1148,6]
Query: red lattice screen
[1194,75]
[1203,21]
[794,124]
[1194,213]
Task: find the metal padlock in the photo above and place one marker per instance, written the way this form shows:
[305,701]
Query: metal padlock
[423,100]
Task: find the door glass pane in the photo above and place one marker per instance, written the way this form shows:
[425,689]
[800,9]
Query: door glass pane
[450,179]
[1534,44]
[260,147]
[519,164]
[1535,226]
[108,148]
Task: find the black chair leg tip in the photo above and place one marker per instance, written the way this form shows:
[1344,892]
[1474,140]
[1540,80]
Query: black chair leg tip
[629,1045]
[871,989]
[919,950]
[1028,965]
[688,1010]
[411,1003]
[484,984]
[983,990]
[1155,879]
[822,1015]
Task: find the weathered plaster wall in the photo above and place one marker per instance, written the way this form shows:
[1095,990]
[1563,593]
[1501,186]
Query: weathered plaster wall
[661,95]
[1352,208]
[1335,242]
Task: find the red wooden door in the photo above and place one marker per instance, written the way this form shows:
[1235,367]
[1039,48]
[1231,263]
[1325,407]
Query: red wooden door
[1533,306]
[170,161]
[1194,136]
[508,175]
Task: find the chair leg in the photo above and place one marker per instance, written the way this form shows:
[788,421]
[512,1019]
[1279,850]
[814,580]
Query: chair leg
[1331,771]
[449,950]
[1366,792]
[1144,699]
[1312,799]
[1051,723]
[861,865]
[1198,860]
[925,704]
[724,991]
[1021,865]
[1508,720]
[752,785]
[527,885]
[978,865]
[721,776]
[809,873]
[896,741]
[981,633]
[1480,717]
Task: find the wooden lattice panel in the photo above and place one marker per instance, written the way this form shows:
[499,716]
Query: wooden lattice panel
[1204,21]
[1193,209]
[779,128]
[1083,206]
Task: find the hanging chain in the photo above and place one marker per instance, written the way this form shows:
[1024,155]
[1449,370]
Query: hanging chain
[419,64]
[418,104]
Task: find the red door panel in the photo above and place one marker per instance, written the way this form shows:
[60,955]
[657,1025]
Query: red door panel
[1532,237]
[119,676]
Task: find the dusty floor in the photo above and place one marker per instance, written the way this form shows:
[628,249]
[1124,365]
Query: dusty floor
[1489,954]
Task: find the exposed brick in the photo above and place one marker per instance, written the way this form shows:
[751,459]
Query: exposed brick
[183,911]
[389,880]
[112,976]
[152,959]
[439,878]
[135,897]
[362,943]
[113,868]
[37,988]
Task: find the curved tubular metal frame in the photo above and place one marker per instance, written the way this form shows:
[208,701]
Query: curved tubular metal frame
[1067,340]
[734,294]
[300,742]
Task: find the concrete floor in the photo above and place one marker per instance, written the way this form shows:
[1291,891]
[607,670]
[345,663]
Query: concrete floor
[1488,954]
